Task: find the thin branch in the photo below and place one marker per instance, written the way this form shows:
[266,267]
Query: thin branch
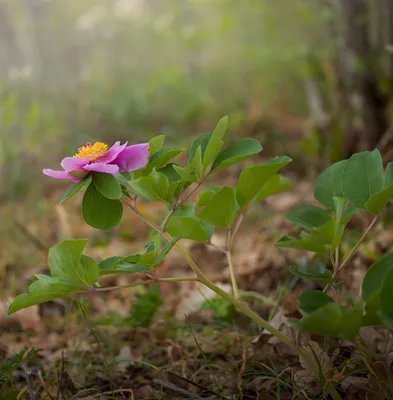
[231,236]
[167,218]
[214,246]
[192,191]
[267,301]
[352,251]
[138,283]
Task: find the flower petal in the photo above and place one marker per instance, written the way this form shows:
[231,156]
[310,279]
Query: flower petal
[113,152]
[133,157]
[102,167]
[59,175]
[74,163]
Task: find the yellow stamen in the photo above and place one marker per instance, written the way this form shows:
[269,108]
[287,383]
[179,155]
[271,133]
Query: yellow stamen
[92,152]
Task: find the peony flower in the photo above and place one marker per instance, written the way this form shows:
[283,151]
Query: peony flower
[98,158]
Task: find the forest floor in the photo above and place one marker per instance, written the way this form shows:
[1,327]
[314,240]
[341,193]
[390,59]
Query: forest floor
[115,345]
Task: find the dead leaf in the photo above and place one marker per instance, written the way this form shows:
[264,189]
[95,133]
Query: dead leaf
[29,318]
[309,379]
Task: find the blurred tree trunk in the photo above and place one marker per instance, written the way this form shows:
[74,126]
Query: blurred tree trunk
[359,75]
[41,42]
[10,52]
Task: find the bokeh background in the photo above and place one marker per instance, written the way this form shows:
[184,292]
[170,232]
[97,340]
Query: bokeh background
[312,79]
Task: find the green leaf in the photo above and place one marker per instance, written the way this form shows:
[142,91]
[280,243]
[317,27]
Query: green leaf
[351,321]
[160,158]
[236,153]
[75,188]
[155,144]
[376,276]
[325,320]
[129,264]
[338,231]
[209,229]
[122,179]
[71,271]
[387,296]
[308,216]
[308,245]
[323,234]
[328,184]
[200,141]
[253,178]
[186,210]
[46,288]
[377,202]
[165,250]
[222,208]
[314,272]
[195,167]
[276,184]
[311,300]
[153,187]
[66,262]
[170,172]
[205,197]
[348,213]
[187,227]
[388,175]
[185,174]
[362,177]
[99,211]
[107,185]
[151,253]
[372,308]
[132,268]
[136,262]
[215,143]
[107,266]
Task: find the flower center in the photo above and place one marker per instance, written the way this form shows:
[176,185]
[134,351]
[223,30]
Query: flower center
[92,151]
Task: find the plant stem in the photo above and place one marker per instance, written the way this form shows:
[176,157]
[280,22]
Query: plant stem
[167,218]
[352,251]
[267,301]
[231,236]
[235,288]
[214,246]
[237,303]
[138,283]
[179,204]
[191,192]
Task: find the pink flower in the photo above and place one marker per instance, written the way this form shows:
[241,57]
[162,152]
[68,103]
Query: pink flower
[98,158]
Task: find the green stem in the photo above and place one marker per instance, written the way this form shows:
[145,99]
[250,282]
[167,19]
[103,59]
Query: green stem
[139,283]
[167,218]
[235,288]
[231,236]
[352,251]
[267,301]
[237,303]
